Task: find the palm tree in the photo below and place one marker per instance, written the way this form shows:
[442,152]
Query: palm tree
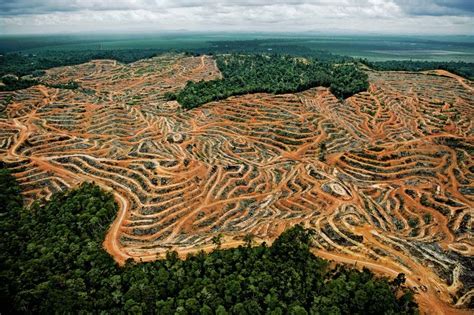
[248,238]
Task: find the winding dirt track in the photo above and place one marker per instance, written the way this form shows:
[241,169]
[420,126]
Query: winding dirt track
[111,242]
[385,178]
[460,79]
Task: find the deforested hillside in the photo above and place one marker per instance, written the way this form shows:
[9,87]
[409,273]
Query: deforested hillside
[384,176]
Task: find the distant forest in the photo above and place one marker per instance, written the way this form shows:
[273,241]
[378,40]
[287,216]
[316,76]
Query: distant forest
[28,62]
[15,65]
[269,46]
[52,260]
[464,69]
[33,63]
[20,63]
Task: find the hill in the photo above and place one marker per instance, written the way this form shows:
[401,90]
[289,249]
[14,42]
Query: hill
[384,177]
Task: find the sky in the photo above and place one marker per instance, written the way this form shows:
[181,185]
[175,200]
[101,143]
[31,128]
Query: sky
[423,17]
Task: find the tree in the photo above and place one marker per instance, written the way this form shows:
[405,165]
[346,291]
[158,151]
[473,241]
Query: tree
[322,152]
[217,240]
[297,310]
[221,310]
[399,280]
[206,310]
[248,239]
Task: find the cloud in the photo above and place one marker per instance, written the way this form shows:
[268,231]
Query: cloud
[382,16]
[438,7]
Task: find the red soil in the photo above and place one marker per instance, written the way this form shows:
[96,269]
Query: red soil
[385,177]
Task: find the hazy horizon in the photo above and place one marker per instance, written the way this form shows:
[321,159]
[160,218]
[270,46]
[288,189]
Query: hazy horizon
[340,17]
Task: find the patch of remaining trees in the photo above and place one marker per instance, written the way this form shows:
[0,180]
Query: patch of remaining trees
[243,74]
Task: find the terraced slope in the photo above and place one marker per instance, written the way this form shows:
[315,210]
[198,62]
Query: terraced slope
[385,177]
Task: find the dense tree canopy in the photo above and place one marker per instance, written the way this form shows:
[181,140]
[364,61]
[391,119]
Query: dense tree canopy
[348,80]
[13,83]
[52,260]
[276,74]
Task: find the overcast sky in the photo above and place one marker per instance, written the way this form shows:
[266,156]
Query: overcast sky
[331,16]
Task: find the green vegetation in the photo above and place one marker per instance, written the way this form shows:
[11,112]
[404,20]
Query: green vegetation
[290,46]
[348,80]
[21,64]
[4,104]
[51,258]
[27,54]
[465,69]
[13,83]
[50,255]
[30,56]
[427,218]
[372,47]
[276,74]
[413,222]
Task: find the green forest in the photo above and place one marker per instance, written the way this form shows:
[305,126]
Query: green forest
[291,47]
[52,260]
[464,69]
[13,83]
[13,66]
[276,74]
[21,64]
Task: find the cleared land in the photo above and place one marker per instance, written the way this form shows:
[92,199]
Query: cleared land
[385,177]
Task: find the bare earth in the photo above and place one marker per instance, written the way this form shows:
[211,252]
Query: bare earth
[385,177]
